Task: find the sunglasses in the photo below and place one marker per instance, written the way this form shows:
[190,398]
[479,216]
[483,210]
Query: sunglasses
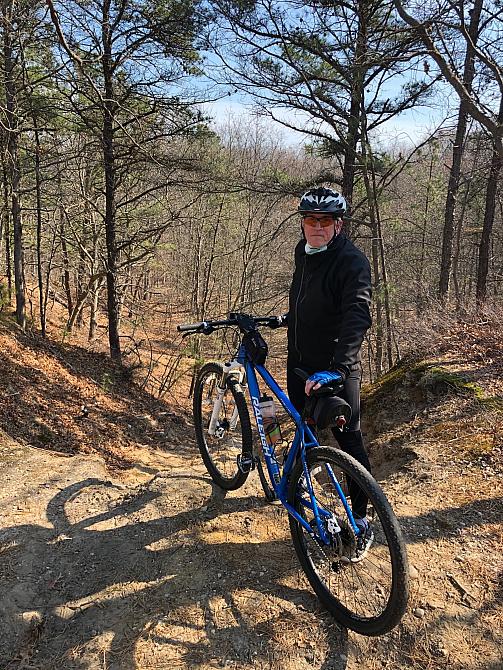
[324,221]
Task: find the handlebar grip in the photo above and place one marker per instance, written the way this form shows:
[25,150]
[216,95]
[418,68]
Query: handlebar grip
[184,327]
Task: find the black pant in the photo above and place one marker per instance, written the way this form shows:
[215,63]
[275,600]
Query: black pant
[350,440]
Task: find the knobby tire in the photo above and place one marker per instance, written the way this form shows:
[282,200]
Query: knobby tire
[398,595]
[238,478]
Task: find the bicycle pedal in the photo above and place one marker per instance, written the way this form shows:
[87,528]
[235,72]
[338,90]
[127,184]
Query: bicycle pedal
[246,463]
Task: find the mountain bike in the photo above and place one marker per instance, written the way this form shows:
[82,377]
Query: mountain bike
[366,594]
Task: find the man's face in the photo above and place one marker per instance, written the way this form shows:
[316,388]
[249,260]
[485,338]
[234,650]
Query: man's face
[318,228]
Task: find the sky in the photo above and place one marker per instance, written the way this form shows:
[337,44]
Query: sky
[409,128]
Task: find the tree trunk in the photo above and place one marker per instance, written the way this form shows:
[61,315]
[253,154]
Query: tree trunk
[40,277]
[348,171]
[93,321]
[457,156]
[14,170]
[66,260]
[350,154]
[420,278]
[6,220]
[109,169]
[489,211]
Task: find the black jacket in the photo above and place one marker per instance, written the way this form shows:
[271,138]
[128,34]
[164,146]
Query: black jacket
[329,309]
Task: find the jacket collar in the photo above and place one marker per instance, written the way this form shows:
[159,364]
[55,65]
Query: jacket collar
[333,247]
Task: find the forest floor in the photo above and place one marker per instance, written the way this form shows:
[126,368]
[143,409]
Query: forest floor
[117,552]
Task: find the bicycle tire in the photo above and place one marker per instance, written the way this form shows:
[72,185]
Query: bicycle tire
[263,476]
[233,478]
[305,547]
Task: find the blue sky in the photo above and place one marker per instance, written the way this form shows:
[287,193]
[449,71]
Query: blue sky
[409,128]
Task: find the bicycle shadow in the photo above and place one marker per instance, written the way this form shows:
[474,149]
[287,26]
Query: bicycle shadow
[142,590]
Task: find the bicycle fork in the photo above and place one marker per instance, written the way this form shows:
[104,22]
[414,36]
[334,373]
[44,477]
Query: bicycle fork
[214,428]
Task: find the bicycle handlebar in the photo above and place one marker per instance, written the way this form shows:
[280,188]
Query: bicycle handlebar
[202,325]
[207,327]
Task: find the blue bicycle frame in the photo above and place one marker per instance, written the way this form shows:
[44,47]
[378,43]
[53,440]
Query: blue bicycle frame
[304,439]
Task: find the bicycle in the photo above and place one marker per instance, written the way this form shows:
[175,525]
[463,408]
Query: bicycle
[368,595]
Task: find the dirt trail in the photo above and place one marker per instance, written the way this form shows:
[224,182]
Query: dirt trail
[153,567]
[160,570]
[149,571]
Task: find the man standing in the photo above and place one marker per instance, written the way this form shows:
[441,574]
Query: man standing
[329,313]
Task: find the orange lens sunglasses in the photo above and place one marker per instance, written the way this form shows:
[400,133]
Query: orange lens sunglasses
[324,221]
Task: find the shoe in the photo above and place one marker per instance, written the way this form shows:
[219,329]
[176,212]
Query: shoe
[364,541]
[356,551]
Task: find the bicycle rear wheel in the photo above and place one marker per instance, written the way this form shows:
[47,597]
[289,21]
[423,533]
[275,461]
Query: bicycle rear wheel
[232,437]
[369,595]
[264,476]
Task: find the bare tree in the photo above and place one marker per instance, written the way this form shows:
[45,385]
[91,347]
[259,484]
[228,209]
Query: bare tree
[114,105]
[457,152]
[441,28]
[11,84]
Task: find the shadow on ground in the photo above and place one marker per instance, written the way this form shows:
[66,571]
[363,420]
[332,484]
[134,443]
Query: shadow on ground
[110,590]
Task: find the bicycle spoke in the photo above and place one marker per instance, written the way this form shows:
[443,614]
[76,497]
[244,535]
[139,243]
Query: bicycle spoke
[225,413]
[363,587]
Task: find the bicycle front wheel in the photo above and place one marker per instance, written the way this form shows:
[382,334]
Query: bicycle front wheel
[232,436]
[366,593]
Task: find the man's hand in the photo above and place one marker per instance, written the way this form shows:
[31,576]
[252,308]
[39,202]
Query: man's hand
[319,379]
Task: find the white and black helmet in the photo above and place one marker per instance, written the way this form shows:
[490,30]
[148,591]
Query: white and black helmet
[323,200]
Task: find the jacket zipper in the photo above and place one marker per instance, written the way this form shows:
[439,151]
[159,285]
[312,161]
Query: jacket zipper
[296,309]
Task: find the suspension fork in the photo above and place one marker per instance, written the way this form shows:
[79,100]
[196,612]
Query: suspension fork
[234,368]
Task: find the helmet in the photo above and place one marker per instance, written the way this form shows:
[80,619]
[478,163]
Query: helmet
[323,200]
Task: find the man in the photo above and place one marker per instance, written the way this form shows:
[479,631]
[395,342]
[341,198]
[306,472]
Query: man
[329,313]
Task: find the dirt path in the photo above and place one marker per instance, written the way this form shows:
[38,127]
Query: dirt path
[158,569]
[116,552]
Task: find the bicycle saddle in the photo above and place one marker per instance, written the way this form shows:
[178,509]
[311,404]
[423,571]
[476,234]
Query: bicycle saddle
[324,407]
[330,412]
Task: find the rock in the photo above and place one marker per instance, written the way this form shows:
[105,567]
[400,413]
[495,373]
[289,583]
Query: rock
[413,573]
[33,617]
[419,612]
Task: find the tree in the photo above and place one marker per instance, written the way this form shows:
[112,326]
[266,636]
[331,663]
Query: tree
[457,153]
[11,19]
[121,74]
[327,62]
[441,29]
[478,29]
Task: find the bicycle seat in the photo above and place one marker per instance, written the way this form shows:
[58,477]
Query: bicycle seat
[327,409]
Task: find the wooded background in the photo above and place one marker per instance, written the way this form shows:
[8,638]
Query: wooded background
[124,205]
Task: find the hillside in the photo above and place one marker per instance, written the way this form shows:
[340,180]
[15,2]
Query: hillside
[117,552]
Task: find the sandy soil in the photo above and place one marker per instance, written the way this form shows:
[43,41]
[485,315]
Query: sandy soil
[123,554]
